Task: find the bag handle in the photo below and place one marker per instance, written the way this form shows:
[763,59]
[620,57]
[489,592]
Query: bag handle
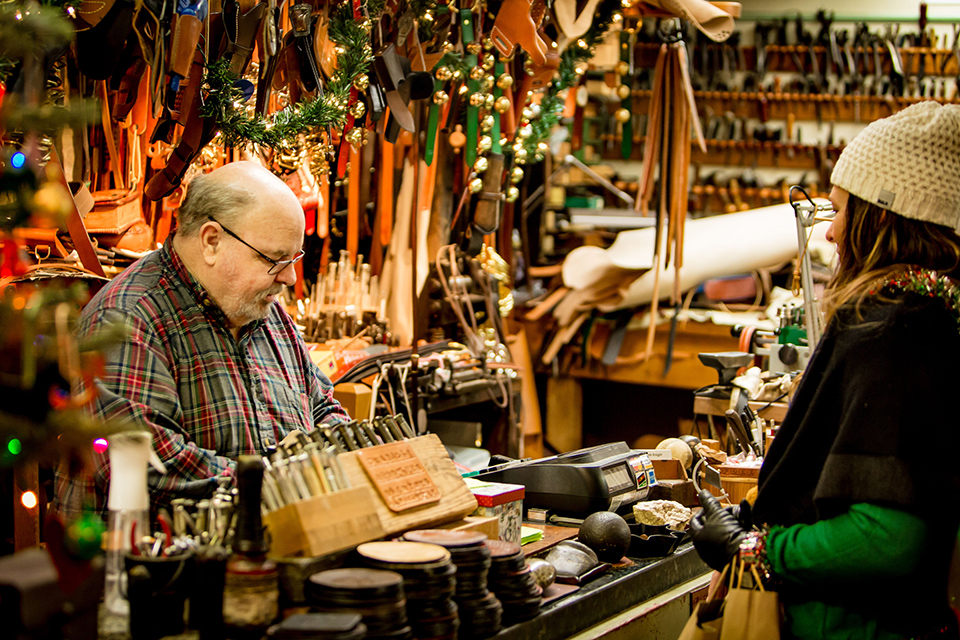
[739,567]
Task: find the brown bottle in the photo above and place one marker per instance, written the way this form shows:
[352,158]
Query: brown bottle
[250,590]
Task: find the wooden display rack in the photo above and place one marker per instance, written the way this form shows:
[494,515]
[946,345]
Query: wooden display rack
[338,521]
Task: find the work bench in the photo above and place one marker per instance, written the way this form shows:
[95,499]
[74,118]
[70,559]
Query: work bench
[648,598]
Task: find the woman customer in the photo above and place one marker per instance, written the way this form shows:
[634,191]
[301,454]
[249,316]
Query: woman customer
[859,496]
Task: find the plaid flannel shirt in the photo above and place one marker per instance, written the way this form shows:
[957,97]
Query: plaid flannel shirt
[206,397]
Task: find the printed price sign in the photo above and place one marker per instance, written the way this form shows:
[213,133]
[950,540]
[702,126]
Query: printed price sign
[399,476]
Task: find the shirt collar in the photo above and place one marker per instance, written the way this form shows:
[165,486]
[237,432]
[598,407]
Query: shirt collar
[174,264]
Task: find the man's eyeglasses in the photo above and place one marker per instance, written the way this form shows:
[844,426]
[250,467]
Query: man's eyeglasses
[277,265]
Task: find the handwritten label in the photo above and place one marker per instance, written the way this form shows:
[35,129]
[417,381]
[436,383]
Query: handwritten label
[399,476]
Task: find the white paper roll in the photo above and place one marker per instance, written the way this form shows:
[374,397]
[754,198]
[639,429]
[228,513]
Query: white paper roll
[713,247]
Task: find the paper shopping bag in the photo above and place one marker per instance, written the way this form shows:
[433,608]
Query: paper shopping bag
[750,614]
[703,624]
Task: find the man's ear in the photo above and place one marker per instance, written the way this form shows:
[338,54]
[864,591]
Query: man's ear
[211,242]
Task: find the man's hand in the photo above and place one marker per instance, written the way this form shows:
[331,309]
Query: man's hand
[716,532]
[289,439]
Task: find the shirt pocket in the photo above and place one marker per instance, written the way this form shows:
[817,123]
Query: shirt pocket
[289,408]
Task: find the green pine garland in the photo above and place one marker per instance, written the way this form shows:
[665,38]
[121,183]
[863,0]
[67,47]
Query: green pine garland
[551,106]
[223,100]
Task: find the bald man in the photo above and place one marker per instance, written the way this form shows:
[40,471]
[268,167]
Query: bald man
[213,365]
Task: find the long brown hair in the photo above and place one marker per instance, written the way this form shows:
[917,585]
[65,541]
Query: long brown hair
[874,243]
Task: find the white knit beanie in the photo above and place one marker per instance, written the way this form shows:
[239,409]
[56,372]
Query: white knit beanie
[908,163]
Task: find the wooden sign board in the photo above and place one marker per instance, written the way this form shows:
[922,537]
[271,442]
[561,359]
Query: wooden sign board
[455,501]
[399,476]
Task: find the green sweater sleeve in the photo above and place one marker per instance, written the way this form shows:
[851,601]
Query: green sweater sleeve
[866,542]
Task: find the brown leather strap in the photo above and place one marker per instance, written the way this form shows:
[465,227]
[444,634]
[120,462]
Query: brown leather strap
[196,133]
[78,233]
[116,164]
[353,202]
[385,197]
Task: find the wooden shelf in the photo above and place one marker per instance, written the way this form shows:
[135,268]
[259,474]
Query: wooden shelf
[937,61]
[714,407]
[777,106]
[740,153]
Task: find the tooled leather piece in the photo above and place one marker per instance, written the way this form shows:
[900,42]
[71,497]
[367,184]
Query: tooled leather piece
[184,37]
[242,24]
[516,24]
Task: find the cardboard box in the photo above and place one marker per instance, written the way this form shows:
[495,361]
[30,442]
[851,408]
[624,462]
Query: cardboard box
[503,502]
[355,398]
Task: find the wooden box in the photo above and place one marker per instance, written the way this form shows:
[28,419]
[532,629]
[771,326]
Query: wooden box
[325,524]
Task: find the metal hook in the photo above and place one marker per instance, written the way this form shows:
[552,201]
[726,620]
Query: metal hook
[669,30]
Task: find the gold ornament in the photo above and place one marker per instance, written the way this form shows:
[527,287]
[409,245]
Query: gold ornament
[443,74]
[474,48]
[476,73]
[623,91]
[582,43]
[362,82]
[516,175]
[527,113]
[476,99]
[488,43]
[440,97]
[487,123]
[622,115]
[481,164]
[623,68]
[476,185]
[488,61]
[502,104]
[366,25]
[542,147]
[485,144]
[505,81]
[358,109]
[521,155]
[486,84]
[489,101]
[52,200]
[355,136]
[513,193]
[525,131]
[447,47]
[457,74]
[427,16]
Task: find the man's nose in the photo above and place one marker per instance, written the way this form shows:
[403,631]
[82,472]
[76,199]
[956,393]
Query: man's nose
[288,275]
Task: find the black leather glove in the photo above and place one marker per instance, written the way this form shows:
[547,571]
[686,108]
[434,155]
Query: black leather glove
[716,532]
[743,512]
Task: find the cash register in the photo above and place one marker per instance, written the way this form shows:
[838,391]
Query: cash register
[607,477]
